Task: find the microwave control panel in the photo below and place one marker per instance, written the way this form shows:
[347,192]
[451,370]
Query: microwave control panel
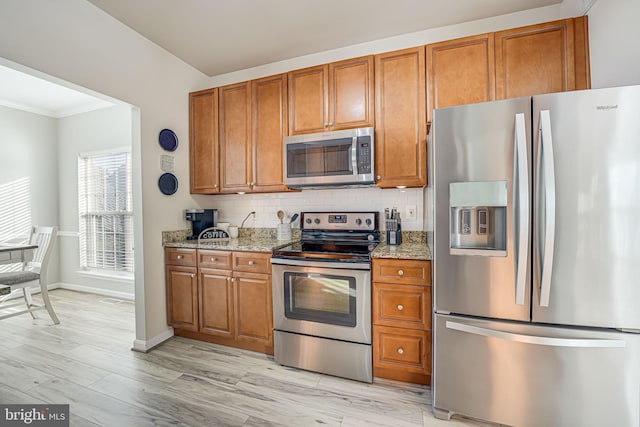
[364,154]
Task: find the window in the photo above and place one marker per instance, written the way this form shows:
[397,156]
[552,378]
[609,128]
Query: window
[105,208]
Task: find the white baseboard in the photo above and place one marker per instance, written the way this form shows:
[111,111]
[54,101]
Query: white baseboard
[90,289]
[146,345]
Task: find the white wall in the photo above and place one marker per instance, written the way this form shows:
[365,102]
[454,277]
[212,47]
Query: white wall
[94,131]
[28,154]
[76,42]
[614,34]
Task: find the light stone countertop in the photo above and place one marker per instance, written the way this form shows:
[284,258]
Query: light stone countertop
[417,251]
[415,244]
[249,240]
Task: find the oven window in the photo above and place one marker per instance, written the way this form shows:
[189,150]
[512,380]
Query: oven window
[319,159]
[320,298]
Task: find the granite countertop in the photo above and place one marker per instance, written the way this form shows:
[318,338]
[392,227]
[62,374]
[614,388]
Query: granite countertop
[411,250]
[415,244]
[249,240]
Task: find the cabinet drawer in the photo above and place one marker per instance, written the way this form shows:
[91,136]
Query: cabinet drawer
[214,259]
[402,354]
[180,256]
[411,272]
[405,306]
[255,262]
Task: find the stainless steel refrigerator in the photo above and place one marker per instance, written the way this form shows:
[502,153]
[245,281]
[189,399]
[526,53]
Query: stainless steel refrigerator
[537,259]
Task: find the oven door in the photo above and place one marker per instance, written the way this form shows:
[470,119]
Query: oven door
[323,299]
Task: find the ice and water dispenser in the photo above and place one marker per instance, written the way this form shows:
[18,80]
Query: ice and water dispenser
[478,223]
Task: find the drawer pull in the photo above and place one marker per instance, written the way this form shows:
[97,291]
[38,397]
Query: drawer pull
[250,262]
[400,273]
[213,259]
[400,350]
[179,257]
[400,307]
[193,275]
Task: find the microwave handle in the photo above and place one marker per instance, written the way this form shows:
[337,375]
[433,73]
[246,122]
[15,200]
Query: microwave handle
[354,156]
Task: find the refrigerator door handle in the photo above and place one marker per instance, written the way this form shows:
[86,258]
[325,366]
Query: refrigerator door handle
[521,206]
[545,161]
[535,339]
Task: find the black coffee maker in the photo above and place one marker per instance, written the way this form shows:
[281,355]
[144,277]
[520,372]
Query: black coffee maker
[200,219]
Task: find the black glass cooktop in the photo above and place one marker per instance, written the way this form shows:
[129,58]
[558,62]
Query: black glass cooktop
[324,249]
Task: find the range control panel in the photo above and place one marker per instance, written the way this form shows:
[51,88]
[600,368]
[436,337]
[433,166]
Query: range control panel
[343,221]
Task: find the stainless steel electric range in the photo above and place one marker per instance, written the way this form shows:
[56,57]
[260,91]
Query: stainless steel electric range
[322,295]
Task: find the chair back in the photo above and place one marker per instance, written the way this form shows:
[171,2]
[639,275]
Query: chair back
[45,238]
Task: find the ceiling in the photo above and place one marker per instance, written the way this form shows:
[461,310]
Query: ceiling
[221,36]
[25,92]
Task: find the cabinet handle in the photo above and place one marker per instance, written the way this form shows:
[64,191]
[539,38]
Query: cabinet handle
[228,279]
[179,257]
[378,177]
[252,183]
[215,185]
[400,307]
[250,263]
[400,350]
[193,275]
[233,279]
[400,273]
[213,259]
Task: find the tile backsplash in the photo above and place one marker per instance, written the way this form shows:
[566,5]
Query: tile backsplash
[234,208]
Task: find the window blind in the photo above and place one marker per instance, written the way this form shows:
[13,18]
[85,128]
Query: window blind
[105,209]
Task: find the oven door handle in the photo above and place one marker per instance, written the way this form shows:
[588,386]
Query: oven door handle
[322,264]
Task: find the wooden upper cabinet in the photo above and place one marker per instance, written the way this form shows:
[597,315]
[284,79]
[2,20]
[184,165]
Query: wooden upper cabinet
[269,126]
[541,59]
[203,141]
[460,71]
[332,96]
[308,92]
[235,137]
[351,100]
[400,137]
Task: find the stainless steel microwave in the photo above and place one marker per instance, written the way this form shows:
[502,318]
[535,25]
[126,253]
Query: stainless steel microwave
[337,158]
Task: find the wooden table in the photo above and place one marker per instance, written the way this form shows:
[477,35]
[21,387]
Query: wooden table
[16,253]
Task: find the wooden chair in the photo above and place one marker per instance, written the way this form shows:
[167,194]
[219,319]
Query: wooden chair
[33,273]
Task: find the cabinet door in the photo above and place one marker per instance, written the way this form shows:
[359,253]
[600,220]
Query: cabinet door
[216,302]
[460,71]
[535,59]
[235,137]
[403,306]
[308,100]
[351,103]
[400,138]
[203,141]
[182,297]
[254,319]
[269,121]
[402,354]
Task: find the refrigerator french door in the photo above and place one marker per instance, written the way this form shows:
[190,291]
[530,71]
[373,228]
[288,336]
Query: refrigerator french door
[535,252]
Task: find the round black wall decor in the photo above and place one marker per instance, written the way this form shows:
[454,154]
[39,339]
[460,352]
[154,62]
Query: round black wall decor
[168,140]
[168,183]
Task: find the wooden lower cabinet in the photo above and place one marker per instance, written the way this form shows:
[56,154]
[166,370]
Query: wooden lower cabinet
[402,320]
[229,304]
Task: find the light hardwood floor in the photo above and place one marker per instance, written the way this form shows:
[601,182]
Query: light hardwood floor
[87,362]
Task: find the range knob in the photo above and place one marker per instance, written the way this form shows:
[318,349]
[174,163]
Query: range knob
[368,221]
[317,220]
[358,221]
[308,220]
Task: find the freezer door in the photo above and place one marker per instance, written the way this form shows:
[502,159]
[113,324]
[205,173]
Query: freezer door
[587,237]
[482,170]
[523,375]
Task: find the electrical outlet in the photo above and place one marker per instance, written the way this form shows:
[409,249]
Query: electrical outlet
[411,212]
